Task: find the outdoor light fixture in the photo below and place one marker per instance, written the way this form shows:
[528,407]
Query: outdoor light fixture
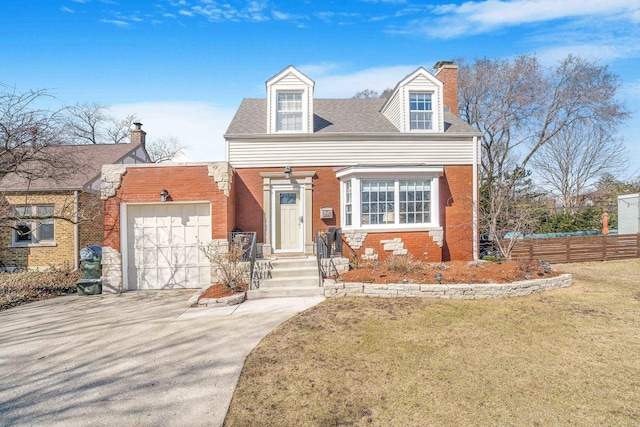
[287,172]
[439,278]
[163,195]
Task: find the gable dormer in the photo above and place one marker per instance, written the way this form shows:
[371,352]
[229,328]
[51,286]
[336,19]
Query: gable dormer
[416,104]
[290,102]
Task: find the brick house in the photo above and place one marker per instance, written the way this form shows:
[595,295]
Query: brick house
[396,175]
[69,204]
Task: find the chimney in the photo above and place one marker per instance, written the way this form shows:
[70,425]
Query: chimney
[447,73]
[137,134]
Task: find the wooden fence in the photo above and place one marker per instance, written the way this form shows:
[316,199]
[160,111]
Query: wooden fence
[579,248]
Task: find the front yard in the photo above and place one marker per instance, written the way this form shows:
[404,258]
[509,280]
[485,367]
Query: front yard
[564,357]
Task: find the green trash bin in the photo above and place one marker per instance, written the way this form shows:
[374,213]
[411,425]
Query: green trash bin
[91,269]
[89,287]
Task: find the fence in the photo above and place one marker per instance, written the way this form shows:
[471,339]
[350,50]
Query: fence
[579,248]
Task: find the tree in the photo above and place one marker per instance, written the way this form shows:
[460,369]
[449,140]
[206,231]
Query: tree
[164,149]
[33,147]
[575,157]
[93,123]
[369,94]
[519,106]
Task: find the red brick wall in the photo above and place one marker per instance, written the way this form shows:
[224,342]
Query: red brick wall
[249,198]
[418,243]
[456,207]
[184,183]
[449,76]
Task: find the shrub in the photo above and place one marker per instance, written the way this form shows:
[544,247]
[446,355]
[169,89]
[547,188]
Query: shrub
[438,266]
[403,264]
[229,266]
[28,286]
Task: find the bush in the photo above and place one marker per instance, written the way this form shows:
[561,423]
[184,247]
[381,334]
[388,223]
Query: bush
[28,286]
[230,269]
[403,264]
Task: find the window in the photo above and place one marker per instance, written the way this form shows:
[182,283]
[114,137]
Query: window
[32,230]
[348,204]
[377,202]
[406,202]
[289,115]
[420,111]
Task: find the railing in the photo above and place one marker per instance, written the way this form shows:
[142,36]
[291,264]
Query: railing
[246,240]
[328,246]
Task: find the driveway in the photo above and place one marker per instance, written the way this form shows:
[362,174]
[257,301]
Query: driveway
[138,359]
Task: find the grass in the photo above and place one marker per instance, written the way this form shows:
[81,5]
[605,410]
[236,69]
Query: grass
[21,288]
[564,357]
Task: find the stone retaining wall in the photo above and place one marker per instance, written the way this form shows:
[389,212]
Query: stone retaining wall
[460,291]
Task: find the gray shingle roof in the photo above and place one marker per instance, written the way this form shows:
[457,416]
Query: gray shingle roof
[77,166]
[332,116]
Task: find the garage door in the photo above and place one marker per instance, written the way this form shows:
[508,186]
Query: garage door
[163,245]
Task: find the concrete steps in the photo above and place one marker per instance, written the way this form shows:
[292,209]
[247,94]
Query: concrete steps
[287,277]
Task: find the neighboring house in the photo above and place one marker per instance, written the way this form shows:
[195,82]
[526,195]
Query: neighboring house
[69,200]
[397,175]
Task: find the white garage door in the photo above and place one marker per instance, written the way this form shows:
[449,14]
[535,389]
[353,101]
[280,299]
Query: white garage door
[163,245]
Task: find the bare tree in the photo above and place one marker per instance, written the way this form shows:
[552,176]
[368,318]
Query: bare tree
[164,149]
[518,106]
[575,157]
[92,123]
[368,93]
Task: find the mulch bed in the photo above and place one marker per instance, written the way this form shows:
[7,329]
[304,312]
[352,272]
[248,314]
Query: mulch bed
[219,290]
[457,272]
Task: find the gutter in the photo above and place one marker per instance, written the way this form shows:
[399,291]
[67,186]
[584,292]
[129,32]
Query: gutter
[476,205]
[76,230]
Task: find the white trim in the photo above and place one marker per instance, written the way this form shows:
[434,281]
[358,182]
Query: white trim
[475,207]
[393,170]
[272,215]
[76,230]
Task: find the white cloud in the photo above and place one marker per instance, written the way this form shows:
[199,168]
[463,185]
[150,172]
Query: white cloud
[474,17]
[115,22]
[67,10]
[198,126]
[315,71]
[347,85]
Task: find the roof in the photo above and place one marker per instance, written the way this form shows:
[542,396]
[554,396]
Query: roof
[348,116]
[76,167]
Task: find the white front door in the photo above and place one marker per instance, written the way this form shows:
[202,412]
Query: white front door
[288,220]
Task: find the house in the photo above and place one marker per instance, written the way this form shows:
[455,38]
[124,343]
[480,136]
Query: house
[396,175]
[66,197]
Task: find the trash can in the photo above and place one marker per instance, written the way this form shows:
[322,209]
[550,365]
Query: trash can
[89,287]
[91,269]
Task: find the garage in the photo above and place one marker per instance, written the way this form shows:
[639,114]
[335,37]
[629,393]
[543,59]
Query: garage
[162,243]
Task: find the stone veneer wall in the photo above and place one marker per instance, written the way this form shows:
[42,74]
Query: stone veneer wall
[111,270]
[461,291]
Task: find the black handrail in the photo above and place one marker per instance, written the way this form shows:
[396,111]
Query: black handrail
[328,246]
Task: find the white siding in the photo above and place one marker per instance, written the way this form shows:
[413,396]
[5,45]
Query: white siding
[290,79]
[393,111]
[243,154]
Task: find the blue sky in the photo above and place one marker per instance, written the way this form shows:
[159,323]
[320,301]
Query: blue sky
[183,66]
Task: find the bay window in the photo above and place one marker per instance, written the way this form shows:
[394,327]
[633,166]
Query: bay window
[390,201]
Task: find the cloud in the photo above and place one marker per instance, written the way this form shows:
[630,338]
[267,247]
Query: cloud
[318,70]
[347,85]
[67,10]
[116,22]
[475,17]
[199,126]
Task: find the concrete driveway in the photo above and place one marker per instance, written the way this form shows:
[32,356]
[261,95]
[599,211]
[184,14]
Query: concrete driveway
[138,359]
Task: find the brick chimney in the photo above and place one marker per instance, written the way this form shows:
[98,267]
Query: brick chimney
[447,73]
[137,134]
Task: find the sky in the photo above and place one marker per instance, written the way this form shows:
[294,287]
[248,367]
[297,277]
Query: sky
[184,66]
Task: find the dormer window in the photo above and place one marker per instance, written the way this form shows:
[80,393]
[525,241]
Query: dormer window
[289,110]
[421,111]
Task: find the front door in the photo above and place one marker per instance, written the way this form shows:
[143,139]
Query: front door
[288,220]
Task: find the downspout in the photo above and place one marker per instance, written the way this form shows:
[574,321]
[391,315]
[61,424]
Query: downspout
[476,205]
[76,230]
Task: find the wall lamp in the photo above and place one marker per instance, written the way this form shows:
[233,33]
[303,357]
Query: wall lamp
[287,172]
[163,195]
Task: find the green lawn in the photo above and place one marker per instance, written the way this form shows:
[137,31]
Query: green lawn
[565,357]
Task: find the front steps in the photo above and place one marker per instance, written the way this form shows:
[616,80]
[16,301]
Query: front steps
[287,277]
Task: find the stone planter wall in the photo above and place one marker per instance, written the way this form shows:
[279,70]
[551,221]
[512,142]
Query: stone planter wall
[459,291]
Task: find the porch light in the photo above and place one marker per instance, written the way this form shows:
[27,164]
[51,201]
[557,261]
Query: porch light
[439,278]
[163,195]
[287,172]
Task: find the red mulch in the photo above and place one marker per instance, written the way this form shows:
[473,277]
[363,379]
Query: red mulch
[219,290]
[458,272]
